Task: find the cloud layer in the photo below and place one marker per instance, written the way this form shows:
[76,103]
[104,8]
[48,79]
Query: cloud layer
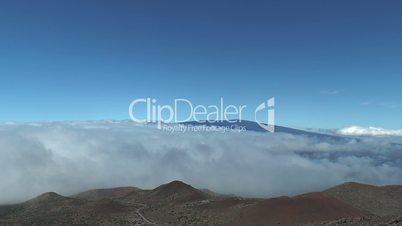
[71,157]
[368,131]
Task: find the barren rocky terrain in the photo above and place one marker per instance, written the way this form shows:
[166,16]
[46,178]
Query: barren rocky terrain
[177,203]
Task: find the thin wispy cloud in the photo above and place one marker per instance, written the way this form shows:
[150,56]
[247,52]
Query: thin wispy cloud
[388,104]
[330,92]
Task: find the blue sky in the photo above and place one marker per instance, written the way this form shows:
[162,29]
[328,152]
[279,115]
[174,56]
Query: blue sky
[328,63]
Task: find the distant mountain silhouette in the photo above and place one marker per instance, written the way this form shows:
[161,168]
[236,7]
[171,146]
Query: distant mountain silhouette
[255,127]
[106,193]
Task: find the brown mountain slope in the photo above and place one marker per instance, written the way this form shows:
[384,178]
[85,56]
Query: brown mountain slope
[54,209]
[382,201]
[177,191]
[304,209]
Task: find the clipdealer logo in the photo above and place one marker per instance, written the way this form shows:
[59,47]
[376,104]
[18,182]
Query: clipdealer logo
[183,110]
[269,107]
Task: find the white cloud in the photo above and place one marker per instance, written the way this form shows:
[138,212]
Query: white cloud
[69,158]
[368,131]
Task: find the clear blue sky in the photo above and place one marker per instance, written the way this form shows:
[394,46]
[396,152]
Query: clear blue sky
[328,63]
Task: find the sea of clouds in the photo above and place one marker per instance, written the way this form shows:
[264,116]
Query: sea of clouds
[70,157]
